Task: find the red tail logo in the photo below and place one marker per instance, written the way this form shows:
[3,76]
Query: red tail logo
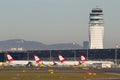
[61,58]
[9,57]
[83,59]
[37,59]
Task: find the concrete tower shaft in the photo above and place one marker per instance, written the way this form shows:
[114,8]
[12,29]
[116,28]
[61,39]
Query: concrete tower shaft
[96,28]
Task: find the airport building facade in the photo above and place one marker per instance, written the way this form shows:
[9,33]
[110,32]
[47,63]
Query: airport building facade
[90,54]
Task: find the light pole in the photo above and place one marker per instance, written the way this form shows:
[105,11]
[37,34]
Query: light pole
[28,56]
[74,55]
[116,46]
[50,56]
[87,54]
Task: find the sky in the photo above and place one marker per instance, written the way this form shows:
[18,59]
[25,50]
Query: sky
[57,21]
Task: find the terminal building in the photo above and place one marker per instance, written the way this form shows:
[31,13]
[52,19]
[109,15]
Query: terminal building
[90,54]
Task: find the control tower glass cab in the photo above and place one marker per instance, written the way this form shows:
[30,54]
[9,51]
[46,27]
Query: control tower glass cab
[96,28]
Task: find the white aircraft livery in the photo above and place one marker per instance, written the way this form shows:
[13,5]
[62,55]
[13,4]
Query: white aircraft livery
[64,62]
[37,59]
[13,62]
[85,61]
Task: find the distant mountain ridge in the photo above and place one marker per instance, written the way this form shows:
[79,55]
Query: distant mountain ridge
[34,45]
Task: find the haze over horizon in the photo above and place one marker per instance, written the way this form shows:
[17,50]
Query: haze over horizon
[57,21]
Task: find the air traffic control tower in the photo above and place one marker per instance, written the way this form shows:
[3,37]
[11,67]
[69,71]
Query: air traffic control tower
[96,28]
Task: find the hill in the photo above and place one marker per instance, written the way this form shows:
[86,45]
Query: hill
[14,44]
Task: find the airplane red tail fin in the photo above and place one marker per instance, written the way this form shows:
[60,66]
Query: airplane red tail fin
[61,58]
[9,57]
[83,59]
[37,59]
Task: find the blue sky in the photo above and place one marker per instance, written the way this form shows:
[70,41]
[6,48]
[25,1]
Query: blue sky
[57,21]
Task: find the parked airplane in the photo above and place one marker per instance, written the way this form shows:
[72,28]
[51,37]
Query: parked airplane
[13,62]
[37,59]
[64,62]
[87,62]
